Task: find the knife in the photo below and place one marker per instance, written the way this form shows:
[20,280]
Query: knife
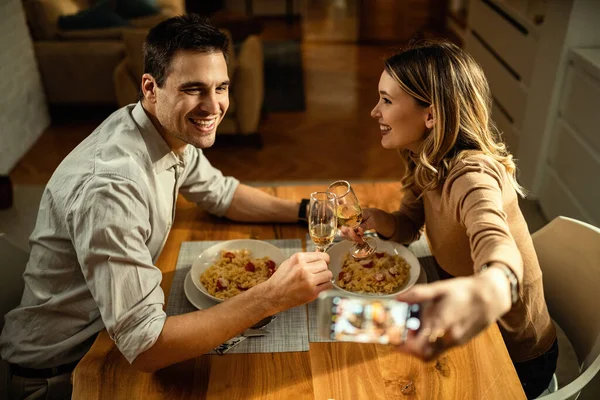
[255,332]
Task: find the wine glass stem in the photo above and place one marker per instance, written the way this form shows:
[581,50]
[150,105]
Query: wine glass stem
[361,241]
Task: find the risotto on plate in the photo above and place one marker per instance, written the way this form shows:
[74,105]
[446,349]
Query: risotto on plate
[234,272]
[381,273]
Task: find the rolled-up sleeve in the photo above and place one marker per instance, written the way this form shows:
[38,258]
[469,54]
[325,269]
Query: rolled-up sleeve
[109,226]
[206,185]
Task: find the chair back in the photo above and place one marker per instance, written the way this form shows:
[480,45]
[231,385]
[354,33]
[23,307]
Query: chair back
[569,255]
[13,264]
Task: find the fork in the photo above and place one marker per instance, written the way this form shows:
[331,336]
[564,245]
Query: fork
[257,329]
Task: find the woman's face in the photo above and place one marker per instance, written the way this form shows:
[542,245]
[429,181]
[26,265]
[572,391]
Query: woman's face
[403,123]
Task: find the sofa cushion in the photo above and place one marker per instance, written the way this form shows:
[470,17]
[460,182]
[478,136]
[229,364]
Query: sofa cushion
[79,72]
[134,42]
[115,33]
[232,60]
[42,15]
[248,85]
[136,8]
[100,15]
[127,87]
[150,20]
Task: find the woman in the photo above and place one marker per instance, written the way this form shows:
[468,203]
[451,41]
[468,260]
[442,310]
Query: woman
[434,106]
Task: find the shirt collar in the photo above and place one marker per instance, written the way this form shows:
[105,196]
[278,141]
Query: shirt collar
[160,153]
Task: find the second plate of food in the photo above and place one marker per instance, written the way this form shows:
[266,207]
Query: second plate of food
[231,267]
[391,270]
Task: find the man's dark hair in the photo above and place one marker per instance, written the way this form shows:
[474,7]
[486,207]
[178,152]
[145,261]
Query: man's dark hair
[185,32]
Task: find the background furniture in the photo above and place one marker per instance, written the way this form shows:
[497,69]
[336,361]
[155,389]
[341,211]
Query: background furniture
[77,66]
[542,83]
[569,254]
[573,155]
[14,261]
[13,264]
[104,66]
[480,369]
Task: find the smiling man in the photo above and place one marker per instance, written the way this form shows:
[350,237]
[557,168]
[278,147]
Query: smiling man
[105,216]
[187,107]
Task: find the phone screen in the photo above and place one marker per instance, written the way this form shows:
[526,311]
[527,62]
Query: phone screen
[357,319]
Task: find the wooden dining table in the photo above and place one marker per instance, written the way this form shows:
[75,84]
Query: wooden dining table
[480,369]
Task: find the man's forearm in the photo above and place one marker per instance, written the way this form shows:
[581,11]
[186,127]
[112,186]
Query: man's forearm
[253,205]
[190,335]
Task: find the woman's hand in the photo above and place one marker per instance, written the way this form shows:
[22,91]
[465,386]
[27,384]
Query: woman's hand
[372,218]
[455,310]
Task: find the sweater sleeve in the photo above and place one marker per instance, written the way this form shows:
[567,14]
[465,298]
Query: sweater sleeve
[475,192]
[410,218]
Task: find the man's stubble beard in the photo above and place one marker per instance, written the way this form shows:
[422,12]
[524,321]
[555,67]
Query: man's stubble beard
[199,142]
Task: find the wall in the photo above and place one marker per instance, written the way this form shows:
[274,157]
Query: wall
[23,110]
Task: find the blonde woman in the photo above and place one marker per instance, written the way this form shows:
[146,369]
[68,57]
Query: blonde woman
[434,106]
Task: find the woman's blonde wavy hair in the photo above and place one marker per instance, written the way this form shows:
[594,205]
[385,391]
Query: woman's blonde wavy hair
[441,75]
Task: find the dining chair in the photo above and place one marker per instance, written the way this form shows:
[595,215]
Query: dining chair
[569,255]
[14,260]
[12,264]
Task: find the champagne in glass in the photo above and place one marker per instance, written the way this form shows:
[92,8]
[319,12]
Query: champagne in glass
[349,213]
[350,216]
[322,235]
[322,219]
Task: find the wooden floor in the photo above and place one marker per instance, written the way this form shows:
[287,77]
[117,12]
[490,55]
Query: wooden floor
[334,138]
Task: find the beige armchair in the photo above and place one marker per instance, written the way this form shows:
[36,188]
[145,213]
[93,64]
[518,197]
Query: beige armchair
[245,72]
[77,66]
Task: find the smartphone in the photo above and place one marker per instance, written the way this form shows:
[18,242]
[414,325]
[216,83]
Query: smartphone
[354,318]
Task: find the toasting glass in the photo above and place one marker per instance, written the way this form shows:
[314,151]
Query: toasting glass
[349,213]
[322,219]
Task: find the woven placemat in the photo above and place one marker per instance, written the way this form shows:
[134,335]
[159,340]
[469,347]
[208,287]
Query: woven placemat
[288,332]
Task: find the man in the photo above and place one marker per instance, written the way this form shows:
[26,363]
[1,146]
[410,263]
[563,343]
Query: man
[106,213]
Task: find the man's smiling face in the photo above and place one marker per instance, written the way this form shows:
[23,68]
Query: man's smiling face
[193,99]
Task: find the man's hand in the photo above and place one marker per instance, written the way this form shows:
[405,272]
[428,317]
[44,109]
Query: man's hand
[455,310]
[298,280]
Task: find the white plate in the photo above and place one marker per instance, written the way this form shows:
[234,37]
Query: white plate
[338,251]
[209,256]
[202,302]
[197,298]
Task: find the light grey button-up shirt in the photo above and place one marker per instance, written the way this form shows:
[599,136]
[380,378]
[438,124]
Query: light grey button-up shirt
[103,220]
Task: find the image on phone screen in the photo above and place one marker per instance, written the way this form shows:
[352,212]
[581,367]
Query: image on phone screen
[372,321]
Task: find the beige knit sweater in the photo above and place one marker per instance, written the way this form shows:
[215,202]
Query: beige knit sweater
[474,219]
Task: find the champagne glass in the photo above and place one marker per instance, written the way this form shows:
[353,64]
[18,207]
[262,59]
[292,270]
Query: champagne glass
[322,219]
[349,213]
